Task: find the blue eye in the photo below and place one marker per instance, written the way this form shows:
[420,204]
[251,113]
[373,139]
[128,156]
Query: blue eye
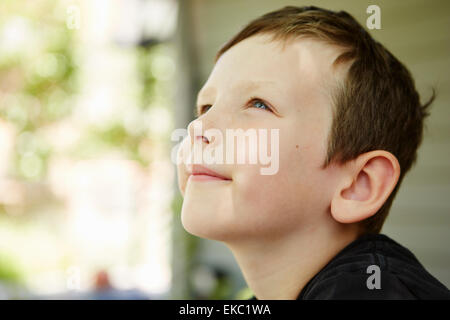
[260,105]
[253,102]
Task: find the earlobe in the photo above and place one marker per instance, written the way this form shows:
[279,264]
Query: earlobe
[366,184]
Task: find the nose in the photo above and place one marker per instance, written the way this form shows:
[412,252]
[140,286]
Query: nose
[197,132]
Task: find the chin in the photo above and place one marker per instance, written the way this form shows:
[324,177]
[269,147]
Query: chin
[206,224]
[210,216]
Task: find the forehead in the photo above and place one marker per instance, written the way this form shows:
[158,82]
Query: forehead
[299,66]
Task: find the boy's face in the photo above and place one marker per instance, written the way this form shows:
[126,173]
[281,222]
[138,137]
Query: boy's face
[295,82]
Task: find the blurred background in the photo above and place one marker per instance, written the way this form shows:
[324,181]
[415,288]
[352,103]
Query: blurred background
[90,93]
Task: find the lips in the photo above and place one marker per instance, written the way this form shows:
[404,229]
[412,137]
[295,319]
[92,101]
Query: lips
[199,172]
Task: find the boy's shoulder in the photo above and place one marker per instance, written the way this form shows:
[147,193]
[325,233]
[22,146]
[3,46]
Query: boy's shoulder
[374,267]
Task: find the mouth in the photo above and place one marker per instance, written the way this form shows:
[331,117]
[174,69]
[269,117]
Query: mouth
[201,173]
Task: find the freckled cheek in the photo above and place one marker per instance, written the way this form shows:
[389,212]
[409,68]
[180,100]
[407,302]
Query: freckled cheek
[301,166]
[307,148]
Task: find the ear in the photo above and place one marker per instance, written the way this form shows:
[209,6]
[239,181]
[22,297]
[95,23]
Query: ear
[365,186]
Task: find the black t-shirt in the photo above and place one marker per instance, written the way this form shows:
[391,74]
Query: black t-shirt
[373,267]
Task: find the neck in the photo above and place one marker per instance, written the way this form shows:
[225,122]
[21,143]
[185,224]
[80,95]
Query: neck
[280,268]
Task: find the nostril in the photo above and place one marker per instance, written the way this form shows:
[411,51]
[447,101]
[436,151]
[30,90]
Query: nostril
[205,139]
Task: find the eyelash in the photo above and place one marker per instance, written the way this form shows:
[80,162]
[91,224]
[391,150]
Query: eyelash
[251,100]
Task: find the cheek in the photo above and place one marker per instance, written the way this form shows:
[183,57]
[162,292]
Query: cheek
[292,197]
[267,204]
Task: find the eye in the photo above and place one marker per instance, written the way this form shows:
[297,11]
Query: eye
[259,104]
[253,102]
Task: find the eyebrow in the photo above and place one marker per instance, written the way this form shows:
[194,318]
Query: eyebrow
[208,92]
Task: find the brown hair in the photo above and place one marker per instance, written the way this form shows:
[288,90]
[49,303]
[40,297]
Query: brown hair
[376,107]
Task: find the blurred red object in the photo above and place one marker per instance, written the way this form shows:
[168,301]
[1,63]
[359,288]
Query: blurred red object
[102,281]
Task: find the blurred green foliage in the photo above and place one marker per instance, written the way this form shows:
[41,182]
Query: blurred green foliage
[37,77]
[39,85]
[9,271]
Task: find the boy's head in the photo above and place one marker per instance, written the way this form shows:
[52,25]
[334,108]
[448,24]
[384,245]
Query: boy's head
[349,118]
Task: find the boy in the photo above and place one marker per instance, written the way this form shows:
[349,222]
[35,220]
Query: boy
[350,123]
